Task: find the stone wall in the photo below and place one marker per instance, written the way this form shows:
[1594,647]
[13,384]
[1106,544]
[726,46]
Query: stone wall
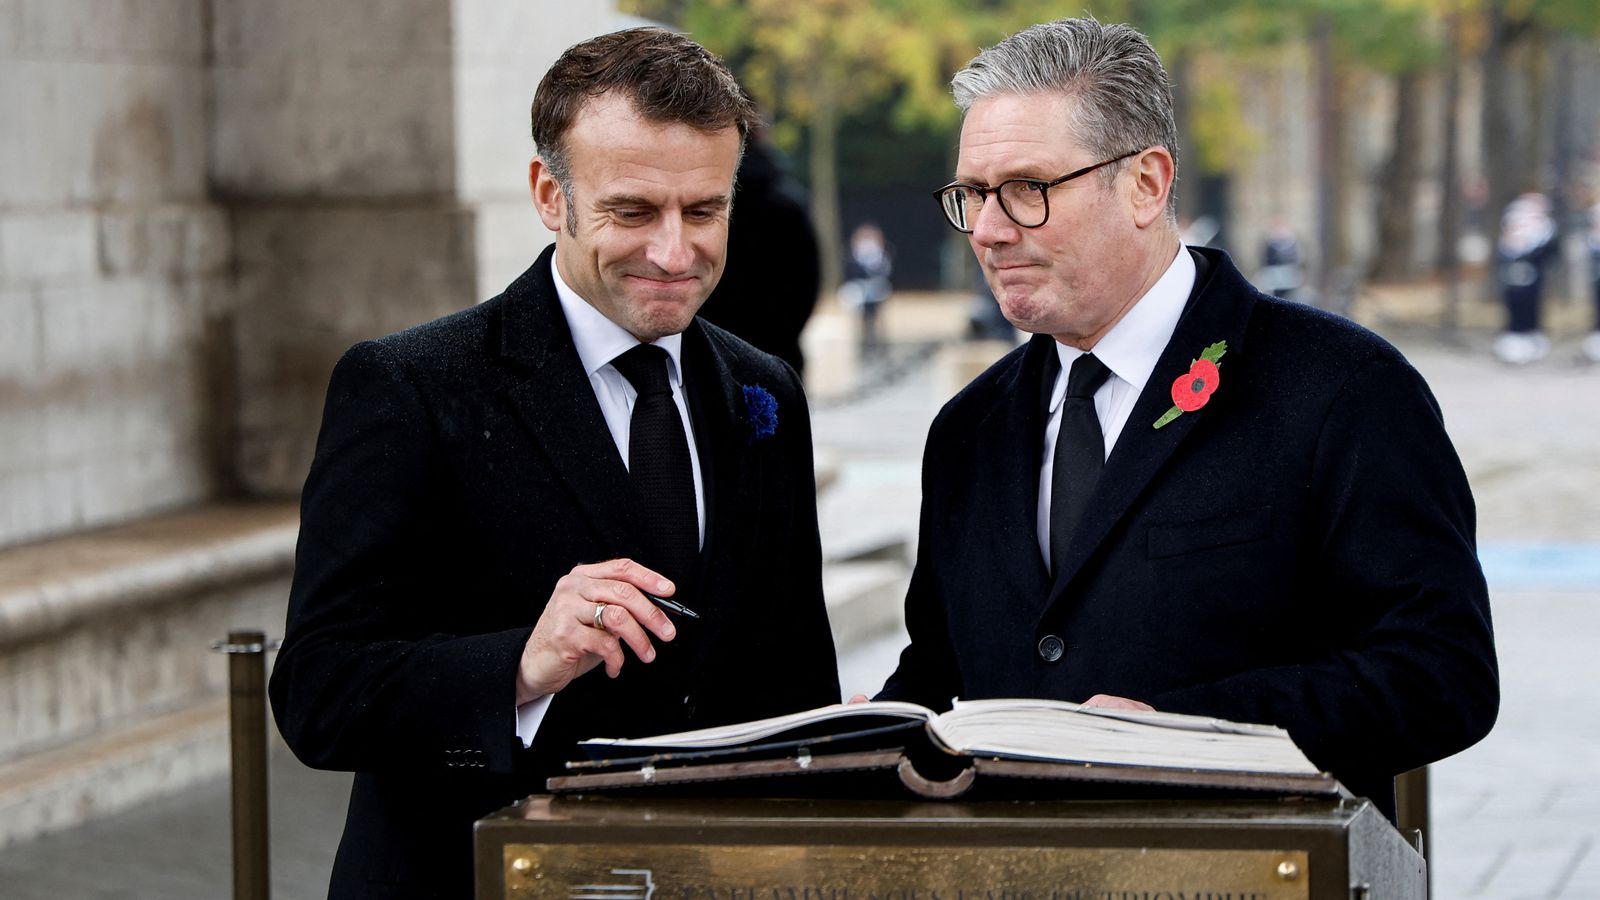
[334,146]
[113,262]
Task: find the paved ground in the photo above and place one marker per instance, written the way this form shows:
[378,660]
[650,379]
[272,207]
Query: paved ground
[1515,817]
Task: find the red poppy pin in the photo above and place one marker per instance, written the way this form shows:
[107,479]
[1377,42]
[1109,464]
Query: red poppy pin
[1194,388]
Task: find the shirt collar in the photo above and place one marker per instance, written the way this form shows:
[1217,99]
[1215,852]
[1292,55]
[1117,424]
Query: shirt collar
[600,340]
[1134,345]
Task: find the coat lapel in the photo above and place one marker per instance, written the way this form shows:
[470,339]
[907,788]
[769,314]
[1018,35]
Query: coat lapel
[714,396]
[1218,310]
[553,396]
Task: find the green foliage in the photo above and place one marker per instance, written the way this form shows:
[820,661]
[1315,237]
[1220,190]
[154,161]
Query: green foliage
[888,62]
[1218,134]
[1580,18]
[847,55]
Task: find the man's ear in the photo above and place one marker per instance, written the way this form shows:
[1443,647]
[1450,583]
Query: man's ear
[1153,173]
[548,197]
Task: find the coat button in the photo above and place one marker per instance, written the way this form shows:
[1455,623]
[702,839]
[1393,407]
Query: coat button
[1051,648]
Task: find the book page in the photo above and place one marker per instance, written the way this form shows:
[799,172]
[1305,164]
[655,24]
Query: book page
[1144,717]
[747,732]
[1065,732]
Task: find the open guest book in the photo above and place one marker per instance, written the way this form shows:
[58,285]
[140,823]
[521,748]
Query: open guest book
[998,745]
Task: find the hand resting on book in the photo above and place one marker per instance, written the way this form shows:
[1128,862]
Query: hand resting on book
[1108,701]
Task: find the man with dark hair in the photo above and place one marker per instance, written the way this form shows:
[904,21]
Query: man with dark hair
[1181,493]
[504,501]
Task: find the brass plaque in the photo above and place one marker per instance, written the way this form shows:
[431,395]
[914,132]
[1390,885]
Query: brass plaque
[787,872]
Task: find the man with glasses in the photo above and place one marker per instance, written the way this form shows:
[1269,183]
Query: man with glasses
[1181,494]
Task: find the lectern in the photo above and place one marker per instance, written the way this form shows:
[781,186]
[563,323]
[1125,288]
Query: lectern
[594,847]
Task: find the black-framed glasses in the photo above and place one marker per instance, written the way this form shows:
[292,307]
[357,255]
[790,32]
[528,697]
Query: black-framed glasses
[1025,201]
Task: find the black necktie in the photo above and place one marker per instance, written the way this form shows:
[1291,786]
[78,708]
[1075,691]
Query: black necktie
[658,462]
[1080,454]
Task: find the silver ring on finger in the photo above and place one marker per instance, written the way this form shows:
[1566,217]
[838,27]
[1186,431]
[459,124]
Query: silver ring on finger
[599,613]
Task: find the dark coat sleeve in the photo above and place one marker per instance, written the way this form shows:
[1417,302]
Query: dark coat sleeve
[362,681]
[928,672]
[1414,677]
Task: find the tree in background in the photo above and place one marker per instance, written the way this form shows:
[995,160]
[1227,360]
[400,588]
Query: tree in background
[820,66]
[1343,37]
[1528,138]
[1403,42]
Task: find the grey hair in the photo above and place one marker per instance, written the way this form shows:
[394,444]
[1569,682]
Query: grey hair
[1123,97]
[555,159]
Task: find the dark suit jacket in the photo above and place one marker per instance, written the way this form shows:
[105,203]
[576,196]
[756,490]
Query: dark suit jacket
[463,467]
[1299,551]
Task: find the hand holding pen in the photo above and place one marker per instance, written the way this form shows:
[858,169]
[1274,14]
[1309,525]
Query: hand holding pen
[593,611]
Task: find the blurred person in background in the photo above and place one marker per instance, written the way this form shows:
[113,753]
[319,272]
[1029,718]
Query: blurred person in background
[1282,268]
[867,268]
[1527,245]
[1591,343]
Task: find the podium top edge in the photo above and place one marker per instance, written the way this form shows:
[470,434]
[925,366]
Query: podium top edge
[592,809]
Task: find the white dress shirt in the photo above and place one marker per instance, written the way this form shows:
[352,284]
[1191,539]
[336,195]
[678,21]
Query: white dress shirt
[600,340]
[1130,350]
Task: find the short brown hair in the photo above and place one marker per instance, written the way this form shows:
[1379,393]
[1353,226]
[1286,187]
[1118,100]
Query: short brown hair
[670,79]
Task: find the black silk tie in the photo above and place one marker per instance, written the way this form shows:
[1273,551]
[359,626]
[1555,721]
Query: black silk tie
[658,462]
[1080,454]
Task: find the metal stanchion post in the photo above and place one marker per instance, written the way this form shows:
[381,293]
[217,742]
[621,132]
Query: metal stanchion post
[1411,812]
[247,729]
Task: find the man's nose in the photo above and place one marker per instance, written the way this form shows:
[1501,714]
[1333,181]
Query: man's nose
[992,227]
[670,249]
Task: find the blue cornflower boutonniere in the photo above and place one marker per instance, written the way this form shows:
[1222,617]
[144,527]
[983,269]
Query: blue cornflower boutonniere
[760,412]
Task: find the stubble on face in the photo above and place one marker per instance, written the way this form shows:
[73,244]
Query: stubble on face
[651,201]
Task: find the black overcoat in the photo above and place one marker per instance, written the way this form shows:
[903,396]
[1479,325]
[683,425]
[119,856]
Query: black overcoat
[463,467]
[1299,551]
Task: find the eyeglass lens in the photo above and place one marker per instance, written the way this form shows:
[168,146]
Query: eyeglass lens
[1023,200]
